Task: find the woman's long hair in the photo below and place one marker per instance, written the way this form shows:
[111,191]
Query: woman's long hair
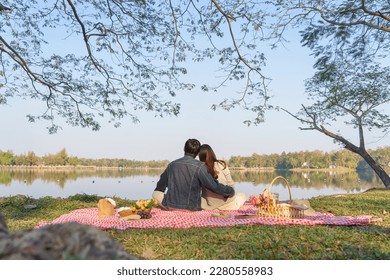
[207,155]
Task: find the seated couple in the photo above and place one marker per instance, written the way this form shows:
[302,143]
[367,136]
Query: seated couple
[190,184]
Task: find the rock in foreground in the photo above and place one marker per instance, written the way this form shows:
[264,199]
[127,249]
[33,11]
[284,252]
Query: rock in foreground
[60,242]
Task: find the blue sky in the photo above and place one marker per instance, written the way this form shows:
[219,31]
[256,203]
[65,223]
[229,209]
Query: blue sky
[163,138]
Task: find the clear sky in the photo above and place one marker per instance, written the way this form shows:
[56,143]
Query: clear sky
[163,138]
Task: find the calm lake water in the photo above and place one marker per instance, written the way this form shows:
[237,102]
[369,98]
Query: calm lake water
[139,184]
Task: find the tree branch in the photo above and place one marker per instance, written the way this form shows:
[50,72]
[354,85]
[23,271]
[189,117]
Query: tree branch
[352,23]
[314,126]
[377,14]
[85,36]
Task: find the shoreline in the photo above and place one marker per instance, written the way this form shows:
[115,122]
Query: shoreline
[236,169]
[71,167]
[271,169]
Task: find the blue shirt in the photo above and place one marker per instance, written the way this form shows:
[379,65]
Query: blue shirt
[183,180]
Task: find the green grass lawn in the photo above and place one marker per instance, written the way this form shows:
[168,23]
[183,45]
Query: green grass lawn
[267,242]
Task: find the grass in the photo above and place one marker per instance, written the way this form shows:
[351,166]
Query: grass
[367,242]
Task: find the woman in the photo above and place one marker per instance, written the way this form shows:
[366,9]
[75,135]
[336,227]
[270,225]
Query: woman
[220,171]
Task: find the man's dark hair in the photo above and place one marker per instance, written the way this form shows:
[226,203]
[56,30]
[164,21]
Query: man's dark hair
[192,147]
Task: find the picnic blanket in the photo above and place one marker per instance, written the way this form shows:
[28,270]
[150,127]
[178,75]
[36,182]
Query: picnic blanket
[204,218]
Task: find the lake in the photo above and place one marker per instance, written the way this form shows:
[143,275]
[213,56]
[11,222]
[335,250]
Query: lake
[139,184]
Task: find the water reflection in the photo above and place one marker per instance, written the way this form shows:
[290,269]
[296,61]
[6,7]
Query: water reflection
[61,177]
[139,184]
[306,184]
[347,180]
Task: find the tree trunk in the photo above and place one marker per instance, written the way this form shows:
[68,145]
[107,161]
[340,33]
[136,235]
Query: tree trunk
[385,178]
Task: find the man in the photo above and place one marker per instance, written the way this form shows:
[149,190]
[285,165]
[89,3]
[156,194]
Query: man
[183,179]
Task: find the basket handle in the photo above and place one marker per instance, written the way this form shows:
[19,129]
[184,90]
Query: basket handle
[285,180]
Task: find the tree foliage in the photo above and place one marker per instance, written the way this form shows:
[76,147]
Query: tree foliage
[353,92]
[7,158]
[94,58]
[359,28]
[124,56]
[357,90]
[348,39]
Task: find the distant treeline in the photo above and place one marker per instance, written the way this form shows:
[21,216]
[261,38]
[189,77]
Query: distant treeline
[63,159]
[310,159]
[283,161]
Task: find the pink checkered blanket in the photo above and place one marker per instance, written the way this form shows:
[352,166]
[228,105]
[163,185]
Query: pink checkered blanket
[204,218]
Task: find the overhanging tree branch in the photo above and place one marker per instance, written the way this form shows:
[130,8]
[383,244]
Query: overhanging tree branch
[363,8]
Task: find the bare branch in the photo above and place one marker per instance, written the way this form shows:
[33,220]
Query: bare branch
[312,122]
[227,16]
[85,36]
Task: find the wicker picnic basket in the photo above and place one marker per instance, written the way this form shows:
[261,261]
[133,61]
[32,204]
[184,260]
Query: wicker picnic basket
[269,206]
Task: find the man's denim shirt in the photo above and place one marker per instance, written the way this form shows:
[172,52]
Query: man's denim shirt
[184,179]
